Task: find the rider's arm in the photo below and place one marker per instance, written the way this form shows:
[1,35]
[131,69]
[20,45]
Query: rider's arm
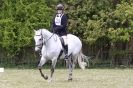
[64,21]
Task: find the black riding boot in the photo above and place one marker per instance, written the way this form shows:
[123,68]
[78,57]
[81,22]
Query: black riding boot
[66,51]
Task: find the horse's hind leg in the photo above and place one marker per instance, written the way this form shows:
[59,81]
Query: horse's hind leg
[72,62]
[41,63]
[70,66]
[54,61]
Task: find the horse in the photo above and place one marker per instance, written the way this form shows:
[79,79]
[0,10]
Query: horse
[51,46]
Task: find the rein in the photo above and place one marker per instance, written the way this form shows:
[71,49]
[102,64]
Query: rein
[49,38]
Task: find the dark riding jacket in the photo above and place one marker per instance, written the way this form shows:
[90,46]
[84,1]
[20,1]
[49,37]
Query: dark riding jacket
[59,24]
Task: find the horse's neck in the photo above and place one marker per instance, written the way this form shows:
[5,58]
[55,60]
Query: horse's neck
[46,33]
[50,38]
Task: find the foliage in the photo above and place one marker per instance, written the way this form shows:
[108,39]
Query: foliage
[120,23]
[109,21]
[87,19]
[17,20]
[97,18]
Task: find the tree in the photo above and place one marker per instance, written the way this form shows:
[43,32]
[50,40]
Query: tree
[18,18]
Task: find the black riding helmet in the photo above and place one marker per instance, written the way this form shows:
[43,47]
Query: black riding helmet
[60,7]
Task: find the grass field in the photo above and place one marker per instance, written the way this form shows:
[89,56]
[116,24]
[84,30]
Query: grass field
[90,78]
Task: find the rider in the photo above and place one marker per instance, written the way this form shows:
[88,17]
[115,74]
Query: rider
[59,26]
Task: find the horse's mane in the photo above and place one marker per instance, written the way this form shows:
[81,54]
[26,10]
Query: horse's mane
[46,31]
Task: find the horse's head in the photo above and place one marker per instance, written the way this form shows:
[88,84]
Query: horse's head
[38,37]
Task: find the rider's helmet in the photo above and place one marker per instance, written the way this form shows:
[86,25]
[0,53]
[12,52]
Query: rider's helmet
[60,7]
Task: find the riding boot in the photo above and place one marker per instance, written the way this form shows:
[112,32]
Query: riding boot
[66,52]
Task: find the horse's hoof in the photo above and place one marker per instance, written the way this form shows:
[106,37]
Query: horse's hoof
[70,79]
[45,77]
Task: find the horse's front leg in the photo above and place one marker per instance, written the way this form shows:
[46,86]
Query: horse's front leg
[54,61]
[41,63]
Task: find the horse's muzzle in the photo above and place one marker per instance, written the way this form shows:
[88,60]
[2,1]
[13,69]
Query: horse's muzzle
[37,49]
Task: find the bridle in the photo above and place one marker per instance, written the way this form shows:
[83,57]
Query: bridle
[43,43]
[40,45]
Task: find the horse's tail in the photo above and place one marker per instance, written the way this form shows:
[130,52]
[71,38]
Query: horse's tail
[81,60]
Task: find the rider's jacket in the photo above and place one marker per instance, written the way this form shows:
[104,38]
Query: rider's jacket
[59,24]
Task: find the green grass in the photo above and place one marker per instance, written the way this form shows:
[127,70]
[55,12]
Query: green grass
[90,78]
